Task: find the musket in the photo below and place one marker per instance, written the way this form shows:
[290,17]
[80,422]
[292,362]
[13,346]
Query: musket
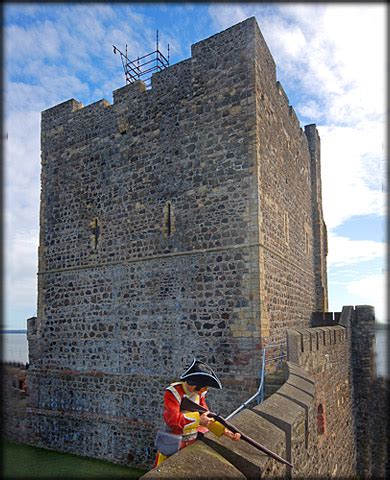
[190,406]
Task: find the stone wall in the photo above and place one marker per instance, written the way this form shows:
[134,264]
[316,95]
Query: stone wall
[175,223]
[286,201]
[16,425]
[371,396]
[348,439]
[320,236]
[324,352]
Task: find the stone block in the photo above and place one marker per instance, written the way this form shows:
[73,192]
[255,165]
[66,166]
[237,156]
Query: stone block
[197,461]
[246,458]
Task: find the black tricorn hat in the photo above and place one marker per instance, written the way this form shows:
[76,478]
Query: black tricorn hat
[201,375]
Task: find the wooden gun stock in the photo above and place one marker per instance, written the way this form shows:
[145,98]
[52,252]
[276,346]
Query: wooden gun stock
[190,406]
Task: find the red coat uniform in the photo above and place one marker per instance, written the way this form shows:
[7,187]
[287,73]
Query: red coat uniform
[184,423]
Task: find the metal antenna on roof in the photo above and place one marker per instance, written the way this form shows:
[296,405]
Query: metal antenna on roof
[156,47]
[142,68]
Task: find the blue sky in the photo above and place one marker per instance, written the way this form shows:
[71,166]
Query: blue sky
[330,59]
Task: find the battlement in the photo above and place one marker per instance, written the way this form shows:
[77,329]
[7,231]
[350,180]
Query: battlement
[313,138]
[282,93]
[293,116]
[55,115]
[94,108]
[227,42]
[289,424]
[327,319]
[309,421]
[187,78]
[129,92]
[312,340]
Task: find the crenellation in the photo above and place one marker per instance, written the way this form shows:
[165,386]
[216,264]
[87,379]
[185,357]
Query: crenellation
[318,338]
[225,43]
[92,109]
[293,117]
[125,95]
[175,81]
[282,93]
[60,112]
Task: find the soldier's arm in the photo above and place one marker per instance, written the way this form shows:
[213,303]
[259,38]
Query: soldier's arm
[217,428]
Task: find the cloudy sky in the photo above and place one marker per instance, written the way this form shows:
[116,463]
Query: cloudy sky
[331,61]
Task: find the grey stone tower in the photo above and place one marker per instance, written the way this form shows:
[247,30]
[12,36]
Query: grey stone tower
[176,222]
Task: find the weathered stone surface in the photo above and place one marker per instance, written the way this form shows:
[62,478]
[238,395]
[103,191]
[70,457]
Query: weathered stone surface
[16,424]
[246,458]
[195,461]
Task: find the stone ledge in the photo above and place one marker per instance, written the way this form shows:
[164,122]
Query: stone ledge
[197,461]
[250,461]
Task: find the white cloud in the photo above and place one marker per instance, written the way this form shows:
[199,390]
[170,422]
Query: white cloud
[366,289]
[344,251]
[225,16]
[38,41]
[310,109]
[371,290]
[352,167]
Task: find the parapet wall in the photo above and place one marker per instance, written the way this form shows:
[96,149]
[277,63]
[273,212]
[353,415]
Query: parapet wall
[282,424]
[324,352]
[371,395]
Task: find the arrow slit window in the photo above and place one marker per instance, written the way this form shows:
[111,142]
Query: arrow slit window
[95,233]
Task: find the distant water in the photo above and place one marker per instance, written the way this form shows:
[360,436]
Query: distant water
[15,349]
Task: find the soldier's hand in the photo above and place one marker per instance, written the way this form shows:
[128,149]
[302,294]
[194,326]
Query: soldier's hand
[205,420]
[231,435]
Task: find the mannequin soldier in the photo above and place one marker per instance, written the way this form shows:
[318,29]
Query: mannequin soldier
[182,427]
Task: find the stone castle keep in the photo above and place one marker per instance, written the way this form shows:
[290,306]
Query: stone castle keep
[180,221]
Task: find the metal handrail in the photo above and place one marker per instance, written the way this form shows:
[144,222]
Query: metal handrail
[260,391]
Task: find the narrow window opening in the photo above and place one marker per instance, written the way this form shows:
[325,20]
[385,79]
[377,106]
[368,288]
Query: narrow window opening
[22,385]
[286,227]
[95,228]
[306,242]
[169,220]
[320,420]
